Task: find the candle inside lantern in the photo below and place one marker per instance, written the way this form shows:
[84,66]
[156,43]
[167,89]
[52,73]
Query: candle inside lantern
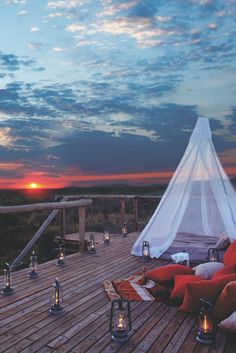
[205,324]
[7,280]
[120,320]
[106,237]
[213,255]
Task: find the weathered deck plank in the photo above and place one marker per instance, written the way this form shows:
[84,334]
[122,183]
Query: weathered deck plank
[27,327]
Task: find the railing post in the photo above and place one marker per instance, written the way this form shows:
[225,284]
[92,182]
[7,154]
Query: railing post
[136,212]
[82,228]
[122,210]
[63,223]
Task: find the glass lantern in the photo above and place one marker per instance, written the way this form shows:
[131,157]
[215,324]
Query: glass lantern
[124,230]
[213,255]
[120,320]
[57,298]
[206,327]
[7,289]
[91,244]
[106,237]
[61,256]
[145,250]
[33,266]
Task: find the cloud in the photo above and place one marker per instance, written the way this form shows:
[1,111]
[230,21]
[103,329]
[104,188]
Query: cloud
[11,166]
[66,4]
[141,29]
[111,10]
[6,139]
[12,62]
[22,13]
[34,29]
[74,27]
[35,45]
[15,2]
[58,49]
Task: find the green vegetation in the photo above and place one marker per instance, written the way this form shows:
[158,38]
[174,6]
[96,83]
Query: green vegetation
[17,229]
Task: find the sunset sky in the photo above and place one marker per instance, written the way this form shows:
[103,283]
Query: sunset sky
[108,91]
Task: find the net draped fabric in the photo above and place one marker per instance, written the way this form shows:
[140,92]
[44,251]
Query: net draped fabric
[199,199]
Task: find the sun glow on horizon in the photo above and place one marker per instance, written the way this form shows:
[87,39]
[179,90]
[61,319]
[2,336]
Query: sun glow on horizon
[34,186]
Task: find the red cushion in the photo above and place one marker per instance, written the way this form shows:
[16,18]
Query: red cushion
[230,255]
[225,303]
[167,273]
[225,271]
[180,285]
[206,289]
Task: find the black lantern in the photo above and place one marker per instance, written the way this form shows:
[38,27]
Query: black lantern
[120,320]
[145,250]
[206,327]
[33,266]
[56,307]
[106,237]
[7,289]
[124,230]
[213,255]
[91,244]
[61,255]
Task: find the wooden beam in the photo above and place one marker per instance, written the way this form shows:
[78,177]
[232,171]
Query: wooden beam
[44,206]
[122,209]
[135,204]
[82,228]
[63,222]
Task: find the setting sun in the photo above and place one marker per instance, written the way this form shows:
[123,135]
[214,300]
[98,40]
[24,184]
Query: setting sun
[33,186]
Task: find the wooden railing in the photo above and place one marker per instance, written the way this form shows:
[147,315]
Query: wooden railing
[55,206]
[69,202]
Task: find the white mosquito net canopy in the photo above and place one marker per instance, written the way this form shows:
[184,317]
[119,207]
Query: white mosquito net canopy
[200,198]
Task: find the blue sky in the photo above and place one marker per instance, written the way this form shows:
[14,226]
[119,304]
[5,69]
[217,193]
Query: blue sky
[103,91]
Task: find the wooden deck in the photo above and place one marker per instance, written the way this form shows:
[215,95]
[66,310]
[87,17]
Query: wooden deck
[27,327]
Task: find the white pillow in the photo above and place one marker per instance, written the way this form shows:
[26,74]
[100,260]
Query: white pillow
[207,269]
[229,323]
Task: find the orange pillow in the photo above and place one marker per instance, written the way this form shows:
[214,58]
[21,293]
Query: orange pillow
[167,273]
[206,289]
[180,285]
[226,302]
[230,255]
[225,271]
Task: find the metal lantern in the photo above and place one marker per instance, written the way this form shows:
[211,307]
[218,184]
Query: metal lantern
[61,256]
[213,255]
[7,289]
[120,320]
[124,230]
[33,266]
[146,250]
[206,327]
[91,244]
[56,307]
[106,237]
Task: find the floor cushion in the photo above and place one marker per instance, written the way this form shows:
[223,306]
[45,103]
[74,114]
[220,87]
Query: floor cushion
[226,270]
[206,289]
[225,303]
[180,283]
[222,243]
[229,324]
[230,255]
[207,270]
[166,273]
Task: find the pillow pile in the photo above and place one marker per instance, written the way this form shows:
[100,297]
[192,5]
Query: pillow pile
[180,284]
[208,269]
[207,289]
[229,324]
[230,255]
[225,303]
[165,273]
